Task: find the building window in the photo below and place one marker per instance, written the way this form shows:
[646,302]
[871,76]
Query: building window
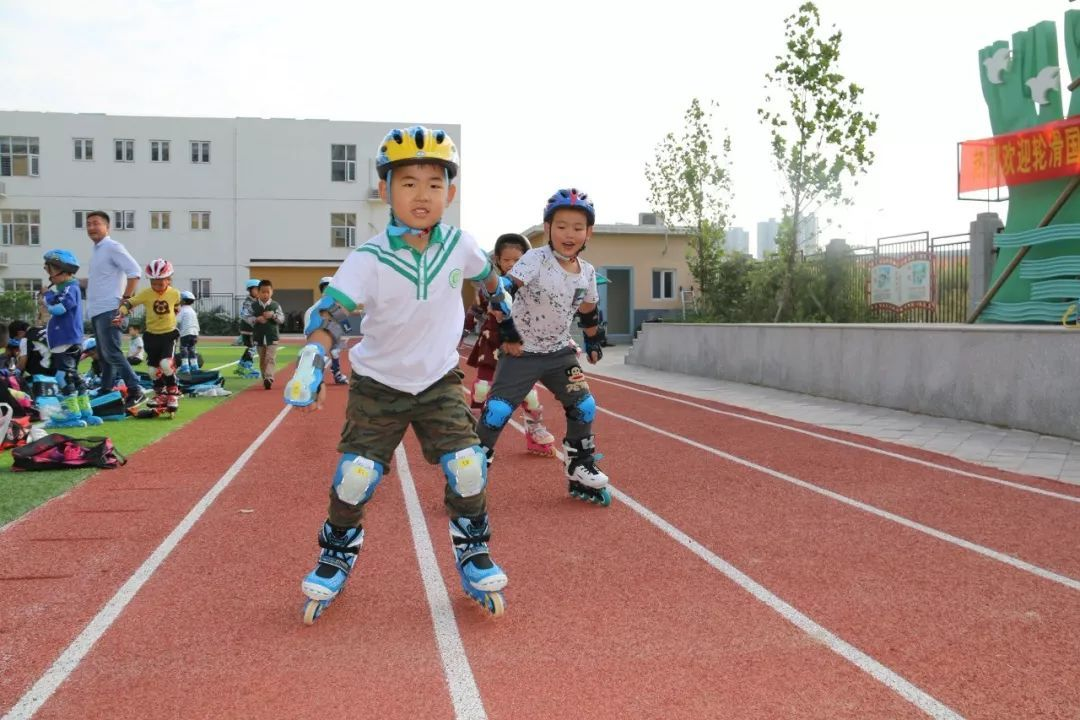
[33,285]
[123,220]
[159,220]
[343,163]
[663,284]
[159,151]
[200,287]
[200,151]
[84,148]
[20,227]
[200,220]
[18,156]
[80,219]
[125,150]
[343,230]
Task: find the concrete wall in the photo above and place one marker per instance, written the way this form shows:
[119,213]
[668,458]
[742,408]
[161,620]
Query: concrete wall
[1011,375]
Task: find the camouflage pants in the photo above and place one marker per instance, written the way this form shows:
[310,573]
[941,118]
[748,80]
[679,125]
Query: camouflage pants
[376,419]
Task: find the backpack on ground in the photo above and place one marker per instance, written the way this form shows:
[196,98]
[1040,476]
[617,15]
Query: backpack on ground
[57,451]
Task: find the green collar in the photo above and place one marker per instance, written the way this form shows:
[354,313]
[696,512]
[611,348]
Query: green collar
[60,286]
[435,237]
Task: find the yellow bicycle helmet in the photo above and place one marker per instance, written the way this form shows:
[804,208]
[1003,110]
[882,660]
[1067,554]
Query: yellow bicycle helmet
[415,145]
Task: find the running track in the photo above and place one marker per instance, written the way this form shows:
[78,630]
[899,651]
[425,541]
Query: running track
[749,567]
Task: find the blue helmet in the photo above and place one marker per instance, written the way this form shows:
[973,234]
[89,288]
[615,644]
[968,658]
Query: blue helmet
[187,295]
[90,345]
[570,198]
[252,283]
[63,260]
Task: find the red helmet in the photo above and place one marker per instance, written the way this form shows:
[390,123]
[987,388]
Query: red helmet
[159,269]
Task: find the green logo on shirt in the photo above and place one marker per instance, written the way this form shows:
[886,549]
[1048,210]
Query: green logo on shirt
[455,278]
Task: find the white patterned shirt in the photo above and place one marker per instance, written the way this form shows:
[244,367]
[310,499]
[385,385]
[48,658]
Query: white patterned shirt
[548,298]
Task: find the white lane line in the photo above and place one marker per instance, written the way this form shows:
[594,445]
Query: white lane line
[1013,562]
[894,681]
[222,367]
[64,665]
[847,443]
[468,705]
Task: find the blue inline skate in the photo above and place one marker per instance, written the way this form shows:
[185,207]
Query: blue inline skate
[481,579]
[322,585]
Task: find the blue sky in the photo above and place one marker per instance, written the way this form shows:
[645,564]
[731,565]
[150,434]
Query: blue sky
[549,95]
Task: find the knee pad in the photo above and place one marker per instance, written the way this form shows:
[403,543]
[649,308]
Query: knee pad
[466,471]
[532,401]
[480,390]
[584,411]
[496,413]
[356,478]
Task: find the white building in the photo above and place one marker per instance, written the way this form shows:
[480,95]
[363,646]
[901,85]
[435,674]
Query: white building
[223,199]
[766,237]
[738,240]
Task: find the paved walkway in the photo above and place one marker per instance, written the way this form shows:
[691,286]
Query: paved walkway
[1014,450]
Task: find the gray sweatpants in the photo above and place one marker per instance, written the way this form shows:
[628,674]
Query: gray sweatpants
[559,372]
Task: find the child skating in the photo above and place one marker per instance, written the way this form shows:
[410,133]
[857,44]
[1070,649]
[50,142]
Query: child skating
[334,359]
[405,371]
[245,366]
[161,301]
[266,331]
[69,405]
[553,285]
[187,324]
[509,248]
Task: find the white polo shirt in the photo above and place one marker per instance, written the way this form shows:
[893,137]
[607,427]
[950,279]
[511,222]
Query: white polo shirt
[413,311]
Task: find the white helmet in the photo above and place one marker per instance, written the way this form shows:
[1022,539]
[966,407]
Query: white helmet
[159,269]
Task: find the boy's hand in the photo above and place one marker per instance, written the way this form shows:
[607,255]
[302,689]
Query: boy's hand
[513,348]
[320,398]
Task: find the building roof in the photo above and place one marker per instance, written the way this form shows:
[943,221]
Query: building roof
[622,229]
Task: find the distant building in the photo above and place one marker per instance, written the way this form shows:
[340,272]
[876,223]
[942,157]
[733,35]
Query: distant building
[766,237]
[738,240]
[808,234]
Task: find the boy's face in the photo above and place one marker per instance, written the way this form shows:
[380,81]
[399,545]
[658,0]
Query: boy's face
[133,331]
[56,275]
[265,293]
[507,258]
[160,285]
[419,194]
[569,231]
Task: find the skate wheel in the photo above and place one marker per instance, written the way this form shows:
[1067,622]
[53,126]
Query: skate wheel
[495,603]
[312,610]
[604,497]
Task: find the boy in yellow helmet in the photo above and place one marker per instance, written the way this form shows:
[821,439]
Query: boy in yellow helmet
[405,371]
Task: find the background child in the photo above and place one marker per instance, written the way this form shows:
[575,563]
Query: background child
[64,332]
[187,322]
[245,366]
[15,353]
[265,332]
[405,370]
[485,353]
[161,301]
[554,284]
[136,346]
[334,359]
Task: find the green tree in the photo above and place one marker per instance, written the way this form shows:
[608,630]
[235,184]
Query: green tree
[690,186]
[819,131]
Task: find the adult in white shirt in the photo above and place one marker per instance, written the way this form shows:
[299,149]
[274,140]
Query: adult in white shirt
[112,279]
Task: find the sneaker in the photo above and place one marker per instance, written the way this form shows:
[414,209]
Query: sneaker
[268,383]
[134,398]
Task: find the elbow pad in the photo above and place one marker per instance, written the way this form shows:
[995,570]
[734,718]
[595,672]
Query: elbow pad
[589,319]
[57,309]
[333,324]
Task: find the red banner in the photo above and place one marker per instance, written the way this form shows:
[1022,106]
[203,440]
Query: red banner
[1040,153]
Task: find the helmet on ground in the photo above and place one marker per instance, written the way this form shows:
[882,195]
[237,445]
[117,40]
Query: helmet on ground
[416,145]
[63,260]
[187,295]
[89,346]
[252,283]
[159,269]
[570,198]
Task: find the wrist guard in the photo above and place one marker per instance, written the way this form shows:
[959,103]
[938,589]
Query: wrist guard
[595,344]
[508,332]
[589,319]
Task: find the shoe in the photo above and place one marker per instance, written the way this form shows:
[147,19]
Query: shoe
[135,397]
[268,383]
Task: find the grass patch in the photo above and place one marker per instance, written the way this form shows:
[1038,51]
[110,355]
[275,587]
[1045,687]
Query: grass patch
[23,491]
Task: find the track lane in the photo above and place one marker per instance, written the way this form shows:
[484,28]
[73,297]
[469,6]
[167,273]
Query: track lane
[667,637]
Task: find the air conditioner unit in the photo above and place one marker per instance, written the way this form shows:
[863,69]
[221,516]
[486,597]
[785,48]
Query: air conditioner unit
[373,195]
[3,190]
[648,218]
